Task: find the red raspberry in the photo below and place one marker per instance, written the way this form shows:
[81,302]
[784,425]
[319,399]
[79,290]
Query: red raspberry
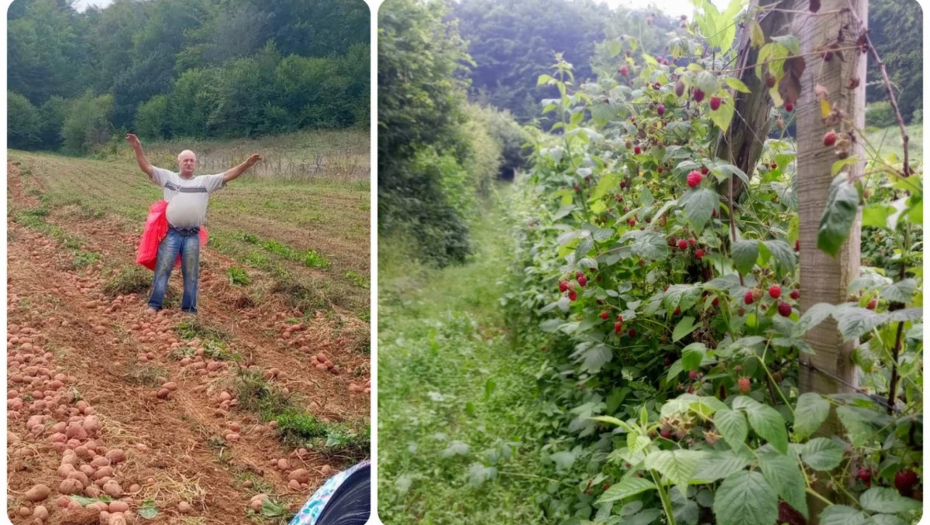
[716,301]
[795,294]
[660,110]
[659,169]
[829,138]
[637,150]
[582,281]
[563,285]
[714,103]
[694,178]
[620,318]
[699,254]
[748,297]
[775,291]
[872,304]
[631,221]
[698,95]
[618,327]
[678,311]
[797,245]
[693,374]
[784,309]
[704,170]
[604,315]
[743,384]
[682,244]
[865,475]
[905,480]
[572,295]
[789,107]
[691,242]
[624,71]
[632,332]
[667,434]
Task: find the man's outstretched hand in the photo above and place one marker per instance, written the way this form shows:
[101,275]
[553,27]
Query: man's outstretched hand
[253,160]
[132,140]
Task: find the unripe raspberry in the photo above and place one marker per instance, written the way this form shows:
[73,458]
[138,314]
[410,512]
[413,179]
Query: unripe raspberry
[743,384]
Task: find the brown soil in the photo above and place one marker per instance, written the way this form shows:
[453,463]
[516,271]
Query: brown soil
[75,354]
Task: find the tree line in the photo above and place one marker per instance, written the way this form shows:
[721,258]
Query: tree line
[512,42]
[436,151]
[183,68]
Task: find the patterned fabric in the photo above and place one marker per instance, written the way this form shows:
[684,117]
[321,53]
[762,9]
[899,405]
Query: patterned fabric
[310,512]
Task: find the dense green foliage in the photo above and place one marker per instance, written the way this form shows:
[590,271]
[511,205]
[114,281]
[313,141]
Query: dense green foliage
[178,68]
[897,33]
[513,42]
[673,324]
[436,152]
[454,444]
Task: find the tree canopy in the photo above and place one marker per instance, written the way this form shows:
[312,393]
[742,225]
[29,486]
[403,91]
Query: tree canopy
[195,67]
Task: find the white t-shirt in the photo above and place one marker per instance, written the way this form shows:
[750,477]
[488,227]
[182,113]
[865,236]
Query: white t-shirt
[187,198]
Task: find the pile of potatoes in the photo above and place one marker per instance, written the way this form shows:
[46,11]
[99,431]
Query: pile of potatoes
[41,396]
[156,330]
[361,388]
[167,388]
[322,362]
[121,301]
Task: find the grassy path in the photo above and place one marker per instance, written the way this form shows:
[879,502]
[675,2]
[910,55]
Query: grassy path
[456,399]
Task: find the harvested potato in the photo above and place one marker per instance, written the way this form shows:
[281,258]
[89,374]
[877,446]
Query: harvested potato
[70,486]
[301,475]
[37,493]
[112,488]
[40,513]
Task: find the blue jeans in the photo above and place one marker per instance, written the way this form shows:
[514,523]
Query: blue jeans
[187,244]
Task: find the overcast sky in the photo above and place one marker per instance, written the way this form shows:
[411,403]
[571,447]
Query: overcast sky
[81,5]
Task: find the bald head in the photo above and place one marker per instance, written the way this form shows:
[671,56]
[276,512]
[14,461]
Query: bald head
[187,161]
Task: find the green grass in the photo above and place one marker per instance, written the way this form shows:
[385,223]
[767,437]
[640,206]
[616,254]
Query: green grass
[238,276]
[297,427]
[888,142]
[128,280]
[197,328]
[455,395]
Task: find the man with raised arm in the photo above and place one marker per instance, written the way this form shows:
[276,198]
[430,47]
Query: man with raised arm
[187,198]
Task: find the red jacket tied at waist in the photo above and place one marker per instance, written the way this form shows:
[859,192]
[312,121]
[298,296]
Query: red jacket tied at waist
[156,227]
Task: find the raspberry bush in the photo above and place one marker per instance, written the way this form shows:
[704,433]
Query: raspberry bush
[672,319]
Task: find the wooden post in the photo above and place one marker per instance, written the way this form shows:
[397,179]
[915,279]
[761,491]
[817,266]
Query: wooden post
[824,278]
[742,145]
